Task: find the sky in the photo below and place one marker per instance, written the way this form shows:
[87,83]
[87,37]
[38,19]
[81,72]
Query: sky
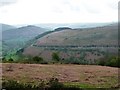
[15,12]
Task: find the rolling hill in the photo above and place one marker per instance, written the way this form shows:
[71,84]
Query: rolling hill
[14,39]
[6,27]
[89,44]
[71,25]
[22,32]
[106,35]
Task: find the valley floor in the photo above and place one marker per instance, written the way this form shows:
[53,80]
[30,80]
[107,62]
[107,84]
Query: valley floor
[79,75]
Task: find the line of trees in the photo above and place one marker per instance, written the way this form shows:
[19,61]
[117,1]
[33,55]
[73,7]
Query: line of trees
[113,61]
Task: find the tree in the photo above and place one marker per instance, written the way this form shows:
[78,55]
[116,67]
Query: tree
[102,62]
[111,61]
[55,56]
[37,59]
[10,59]
[114,62]
[3,59]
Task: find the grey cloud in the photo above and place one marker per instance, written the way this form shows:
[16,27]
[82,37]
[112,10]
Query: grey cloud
[7,2]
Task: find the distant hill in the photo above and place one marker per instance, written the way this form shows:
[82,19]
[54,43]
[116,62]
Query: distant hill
[62,28]
[6,27]
[17,38]
[71,25]
[64,40]
[106,35]
[26,32]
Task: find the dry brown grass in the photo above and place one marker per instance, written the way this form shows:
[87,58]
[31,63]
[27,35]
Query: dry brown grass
[99,36]
[90,74]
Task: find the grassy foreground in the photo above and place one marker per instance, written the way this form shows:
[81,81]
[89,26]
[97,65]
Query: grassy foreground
[79,76]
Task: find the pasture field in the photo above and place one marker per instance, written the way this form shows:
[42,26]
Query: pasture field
[82,76]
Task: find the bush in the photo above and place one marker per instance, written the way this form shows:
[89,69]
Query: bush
[54,83]
[73,60]
[114,62]
[55,57]
[102,62]
[44,62]
[10,59]
[37,59]
[11,84]
[111,61]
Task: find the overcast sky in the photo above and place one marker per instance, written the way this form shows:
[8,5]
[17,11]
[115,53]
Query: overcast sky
[58,11]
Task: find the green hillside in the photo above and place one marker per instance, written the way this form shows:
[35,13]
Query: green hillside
[14,39]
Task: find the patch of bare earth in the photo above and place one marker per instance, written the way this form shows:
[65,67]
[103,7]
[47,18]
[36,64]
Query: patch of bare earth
[90,74]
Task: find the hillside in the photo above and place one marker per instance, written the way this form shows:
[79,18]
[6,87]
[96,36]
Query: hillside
[106,35]
[81,45]
[4,27]
[26,32]
[17,38]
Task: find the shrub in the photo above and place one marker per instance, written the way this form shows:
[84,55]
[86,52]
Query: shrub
[55,57]
[10,59]
[37,59]
[44,62]
[11,84]
[101,62]
[42,85]
[110,61]
[114,62]
[54,83]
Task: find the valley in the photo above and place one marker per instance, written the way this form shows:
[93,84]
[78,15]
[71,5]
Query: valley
[70,57]
[82,46]
[59,45]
